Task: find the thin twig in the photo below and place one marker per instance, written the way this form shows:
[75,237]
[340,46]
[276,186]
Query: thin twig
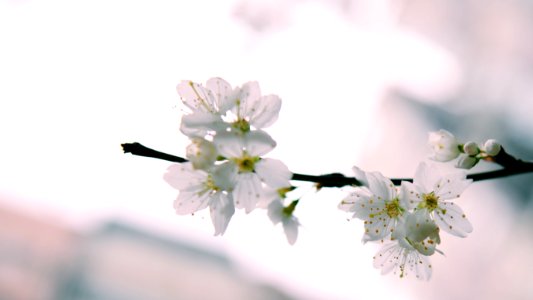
[511,166]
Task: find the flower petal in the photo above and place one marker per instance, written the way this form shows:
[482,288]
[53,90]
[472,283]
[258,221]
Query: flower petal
[222,92]
[427,177]
[452,185]
[189,202]
[275,211]
[273,173]
[258,143]
[248,191]
[222,209]
[290,226]
[356,201]
[199,123]
[381,186]
[229,144]
[183,176]
[452,219]
[196,97]
[265,111]
[410,194]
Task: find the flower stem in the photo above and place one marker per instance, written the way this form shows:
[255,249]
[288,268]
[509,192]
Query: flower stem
[511,166]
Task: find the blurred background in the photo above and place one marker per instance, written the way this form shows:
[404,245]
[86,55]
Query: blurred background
[362,83]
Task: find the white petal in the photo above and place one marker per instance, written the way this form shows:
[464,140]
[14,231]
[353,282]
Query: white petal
[388,258]
[410,194]
[248,94]
[183,176]
[223,93]
[381,186]
[275,211]
[199,123]
[195,96]
[189,202]
[248,191]
[224,176]
[378,228]
[258,143]
[355,199]
[229,144]
[452,185]
[264,112]
[290,226]
[269,195]
[360,175]
[222,209]
[273,172]
[427,177]
[419,265]
[454,221]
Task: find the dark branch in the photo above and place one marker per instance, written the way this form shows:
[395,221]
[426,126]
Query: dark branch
[511,166]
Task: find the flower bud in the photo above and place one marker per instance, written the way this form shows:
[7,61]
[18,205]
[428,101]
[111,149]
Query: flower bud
[471,148]
[202,153]
[492,147]
[443,145]
[466,162]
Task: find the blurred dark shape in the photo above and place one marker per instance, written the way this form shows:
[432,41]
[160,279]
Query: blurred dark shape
[44,261]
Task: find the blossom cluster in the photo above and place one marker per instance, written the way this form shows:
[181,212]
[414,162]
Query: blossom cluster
[408,219]
[226,170]
[226,167]
[445,147]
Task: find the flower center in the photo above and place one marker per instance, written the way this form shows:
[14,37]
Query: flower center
[393,208]
[246,164]
[430,201]
[242,125]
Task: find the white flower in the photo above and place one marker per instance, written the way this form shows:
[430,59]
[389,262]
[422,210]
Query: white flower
[492,147]
[250,108]
[208,105]
[415,238]
[244,152]
[443,145]
[378,206]
[284,214]
[431,192]
[216,98]
[197,190]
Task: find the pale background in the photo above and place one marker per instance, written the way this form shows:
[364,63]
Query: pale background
[362,82]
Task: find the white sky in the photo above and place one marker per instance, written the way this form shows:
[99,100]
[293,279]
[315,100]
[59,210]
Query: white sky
[77,79]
